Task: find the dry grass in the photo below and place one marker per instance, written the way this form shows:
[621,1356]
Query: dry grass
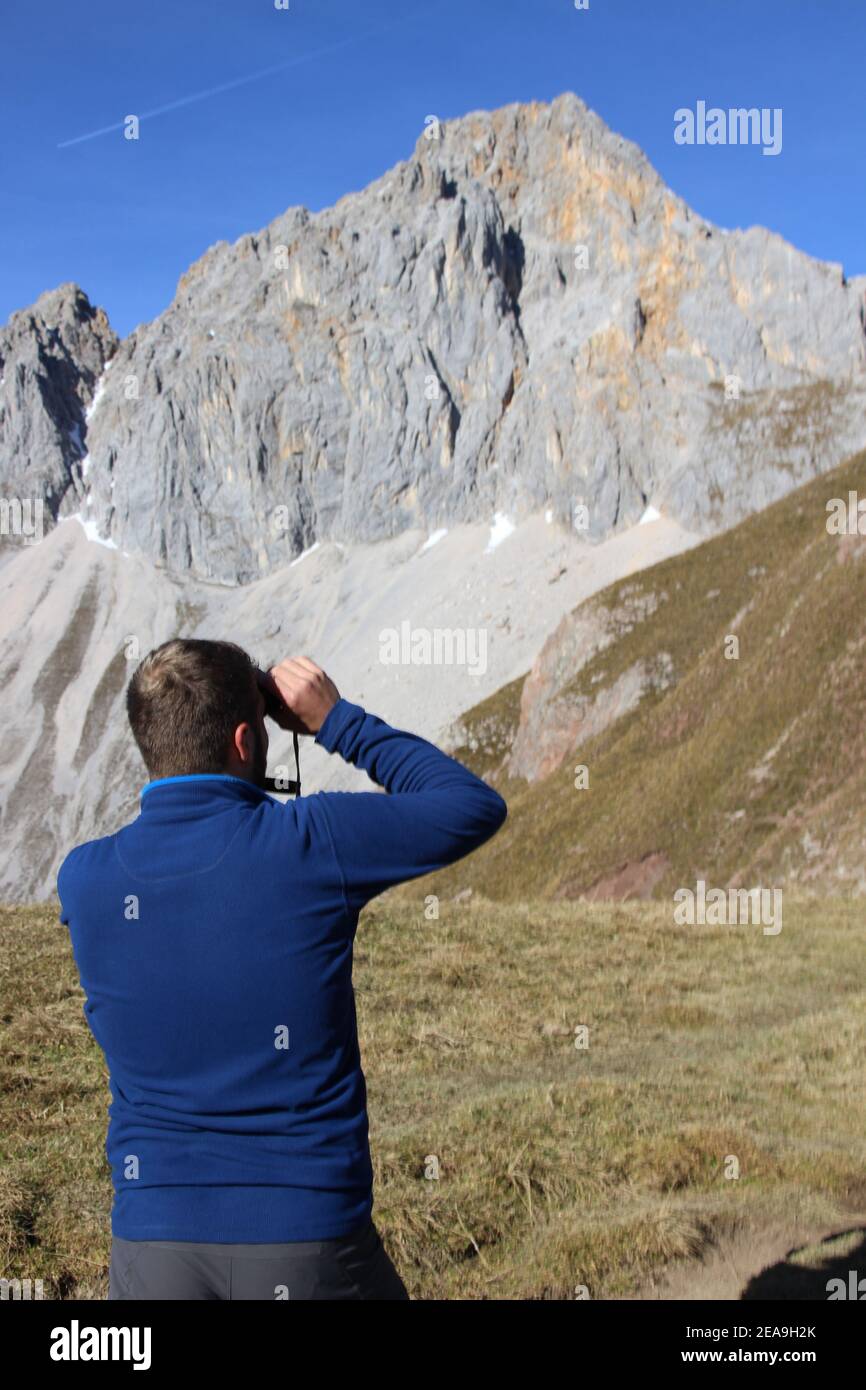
[558,1167]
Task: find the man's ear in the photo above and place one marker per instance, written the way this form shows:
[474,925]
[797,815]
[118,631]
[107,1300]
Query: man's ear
[244,742]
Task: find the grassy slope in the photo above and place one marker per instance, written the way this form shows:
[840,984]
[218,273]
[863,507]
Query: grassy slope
[749,771]
[558,1167]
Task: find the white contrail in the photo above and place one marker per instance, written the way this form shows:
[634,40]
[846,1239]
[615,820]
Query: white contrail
[223,87]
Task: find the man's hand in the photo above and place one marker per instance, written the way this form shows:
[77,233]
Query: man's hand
[298,694]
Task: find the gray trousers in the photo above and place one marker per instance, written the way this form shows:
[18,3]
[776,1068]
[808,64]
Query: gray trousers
[352,1267]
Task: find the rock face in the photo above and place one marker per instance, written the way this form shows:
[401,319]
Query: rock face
[51,357]
[521,315]
[556,715]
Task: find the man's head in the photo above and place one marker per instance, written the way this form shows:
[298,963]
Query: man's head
[196,706]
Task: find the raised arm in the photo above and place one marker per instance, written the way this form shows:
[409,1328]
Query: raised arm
[436,810]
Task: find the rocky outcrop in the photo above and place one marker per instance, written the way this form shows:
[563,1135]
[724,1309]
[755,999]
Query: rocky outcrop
[521,315]
[51,357]
[568,697]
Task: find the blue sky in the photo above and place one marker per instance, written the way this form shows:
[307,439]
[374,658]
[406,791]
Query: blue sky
[124,218]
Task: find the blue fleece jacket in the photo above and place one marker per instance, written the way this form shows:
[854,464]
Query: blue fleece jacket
[213,938]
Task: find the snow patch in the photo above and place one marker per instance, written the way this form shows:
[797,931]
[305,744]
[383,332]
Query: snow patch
[304,553]
[433,539]
[548,515]
[500,530]
[90,531]
[651,514]
[97,394]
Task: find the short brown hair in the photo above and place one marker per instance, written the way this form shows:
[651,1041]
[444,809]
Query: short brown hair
[185,701]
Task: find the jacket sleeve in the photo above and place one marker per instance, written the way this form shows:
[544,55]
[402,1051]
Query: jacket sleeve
[436,810]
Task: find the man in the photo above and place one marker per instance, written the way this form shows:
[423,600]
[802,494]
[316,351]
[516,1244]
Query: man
[213,937]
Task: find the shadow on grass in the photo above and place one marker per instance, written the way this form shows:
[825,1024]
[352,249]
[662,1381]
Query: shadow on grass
[805,1272]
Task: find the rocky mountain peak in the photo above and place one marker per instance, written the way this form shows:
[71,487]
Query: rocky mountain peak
[51,357]
[519,316]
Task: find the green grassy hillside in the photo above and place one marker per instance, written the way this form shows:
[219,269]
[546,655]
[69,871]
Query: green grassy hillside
[744,772]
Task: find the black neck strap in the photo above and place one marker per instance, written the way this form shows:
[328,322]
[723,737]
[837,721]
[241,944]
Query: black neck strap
[279,785]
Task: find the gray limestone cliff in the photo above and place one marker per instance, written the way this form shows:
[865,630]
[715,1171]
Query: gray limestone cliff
[521,315]
[51,357]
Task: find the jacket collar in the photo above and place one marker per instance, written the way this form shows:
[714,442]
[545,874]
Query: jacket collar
[199,784]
